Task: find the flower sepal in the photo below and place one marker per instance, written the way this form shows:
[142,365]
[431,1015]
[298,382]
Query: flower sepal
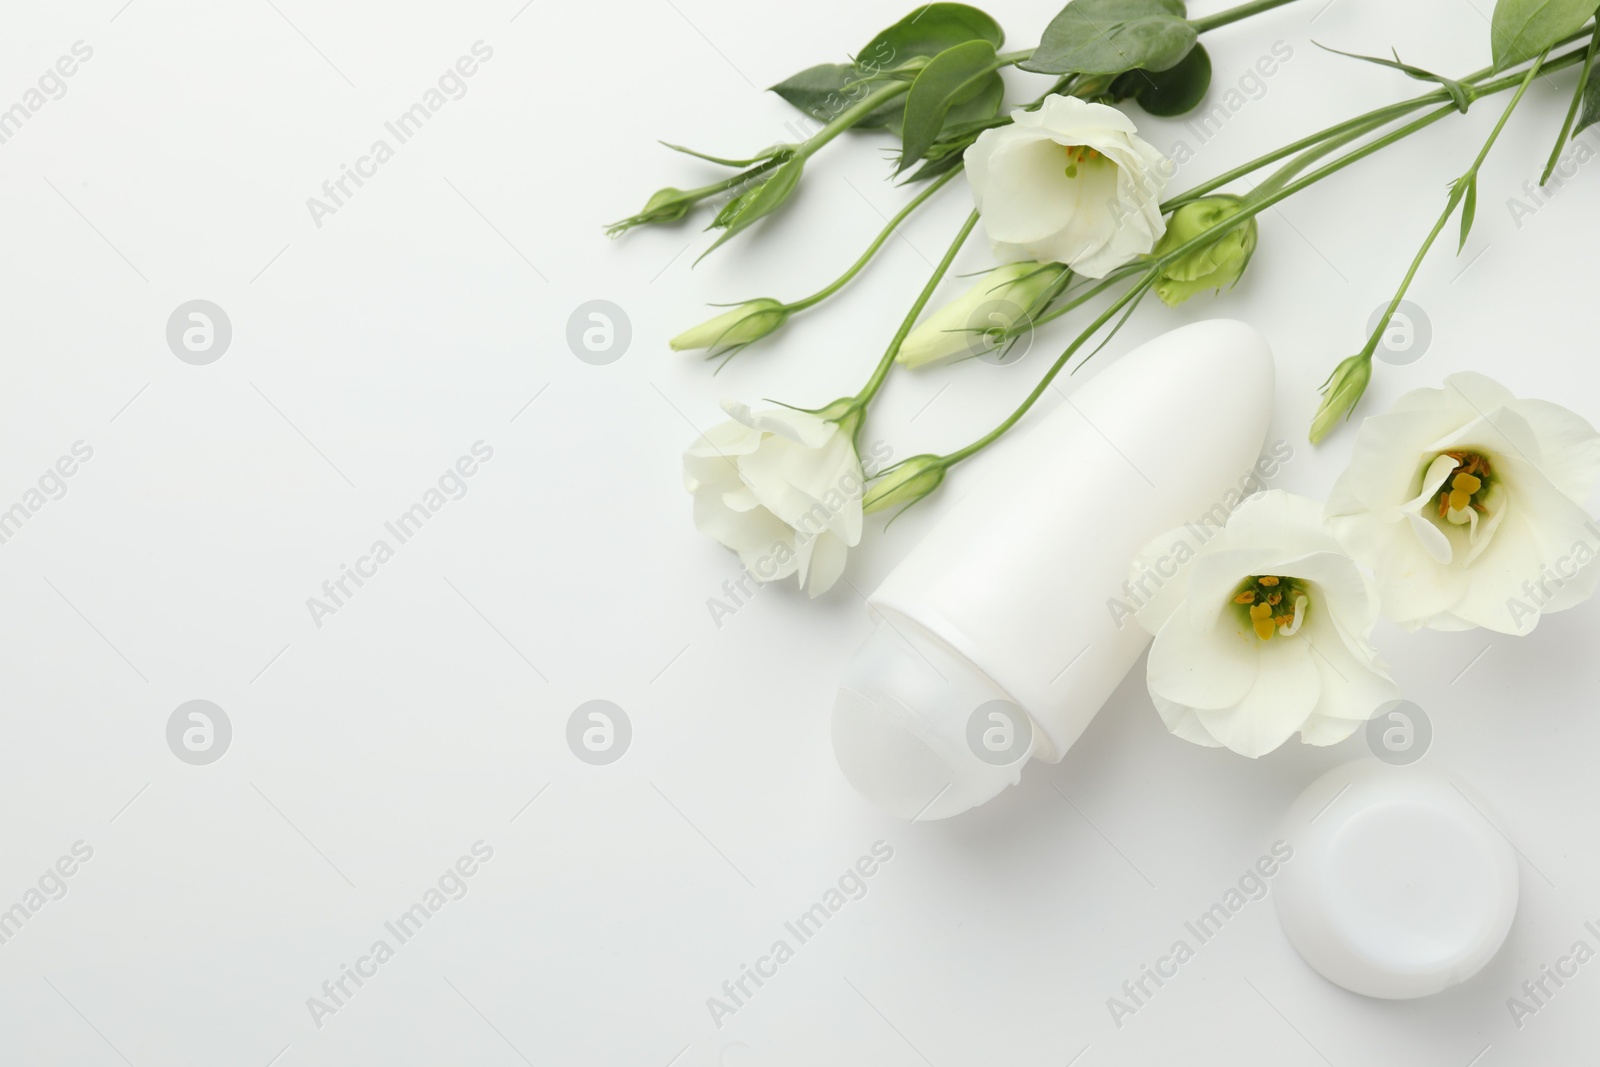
[905,483]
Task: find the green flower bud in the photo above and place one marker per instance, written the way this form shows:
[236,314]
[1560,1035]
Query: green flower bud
[667,205]
[905,483]
[969,325]
[734,328]
[1216,265]
[1340,393]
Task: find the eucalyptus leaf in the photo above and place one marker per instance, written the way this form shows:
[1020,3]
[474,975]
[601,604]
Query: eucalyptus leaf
[1458,92]
[1113,36]
[1173,91]
[952,77]
[1521,29]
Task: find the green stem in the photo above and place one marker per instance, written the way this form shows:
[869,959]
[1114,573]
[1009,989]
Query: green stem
[1366,123]
[1256,206]
[1011,420]
[1458,191]
[1360,124]
[850,116]
[1234,14]
[1286,173]
[1249,210]
[1085,294]
[1572,109]
[883,235]
[734,182]
[879,373]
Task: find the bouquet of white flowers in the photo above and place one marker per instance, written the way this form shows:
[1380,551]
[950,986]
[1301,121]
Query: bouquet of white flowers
[1462,507]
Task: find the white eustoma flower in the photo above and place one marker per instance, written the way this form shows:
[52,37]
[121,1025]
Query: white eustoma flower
[1069,183]
[1261,631]
[1468,505]
[781,488]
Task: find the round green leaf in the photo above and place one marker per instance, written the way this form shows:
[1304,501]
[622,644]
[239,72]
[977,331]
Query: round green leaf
[1169,92]
[1521,29]
[1112,36]
[927,31]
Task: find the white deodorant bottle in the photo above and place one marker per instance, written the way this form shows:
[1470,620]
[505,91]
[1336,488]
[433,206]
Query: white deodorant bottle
[1004,631]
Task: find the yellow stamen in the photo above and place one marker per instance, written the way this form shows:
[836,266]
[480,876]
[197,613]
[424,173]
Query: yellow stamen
[1268,581]
[1246,597]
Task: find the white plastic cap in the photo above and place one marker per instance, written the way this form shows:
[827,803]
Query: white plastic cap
[1399,885]
[921,732]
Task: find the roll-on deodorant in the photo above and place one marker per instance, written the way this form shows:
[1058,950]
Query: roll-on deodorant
[1003,632]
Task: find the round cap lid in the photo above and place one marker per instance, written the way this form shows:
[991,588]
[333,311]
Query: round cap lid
[1399,885]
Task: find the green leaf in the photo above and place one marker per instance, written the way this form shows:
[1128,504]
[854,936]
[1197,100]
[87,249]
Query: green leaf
[1521,29]
[952,77]
[824,91]
[1591,103]
[927,31]
[827,89]
[1169,92]
[1458,93]
[756,203]
[936,166]
[1469,209]
[738,164]
[1590,113]
[1580,98]
[1112,36]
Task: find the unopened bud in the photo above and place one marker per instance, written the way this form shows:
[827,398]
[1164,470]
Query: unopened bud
[905,483]
[972,324]
[1340,393]
[734,328]
[1215,265]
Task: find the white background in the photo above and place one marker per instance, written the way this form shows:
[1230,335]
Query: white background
[368,754]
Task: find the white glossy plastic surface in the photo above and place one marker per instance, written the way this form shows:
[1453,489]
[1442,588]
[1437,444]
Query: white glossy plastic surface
[1400,885]
[1017,580]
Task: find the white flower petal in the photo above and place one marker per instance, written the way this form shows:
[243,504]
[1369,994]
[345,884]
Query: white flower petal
[1569,447]
[1102,215]
[1495,569]
[1286,692]
[1389,451]
[1183,722]
[781,488]
[1413,587]
[826,565]
[801,427]
[1262,520]
[1325,730]
[1355,683]
[1202,669]
[1160,593]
